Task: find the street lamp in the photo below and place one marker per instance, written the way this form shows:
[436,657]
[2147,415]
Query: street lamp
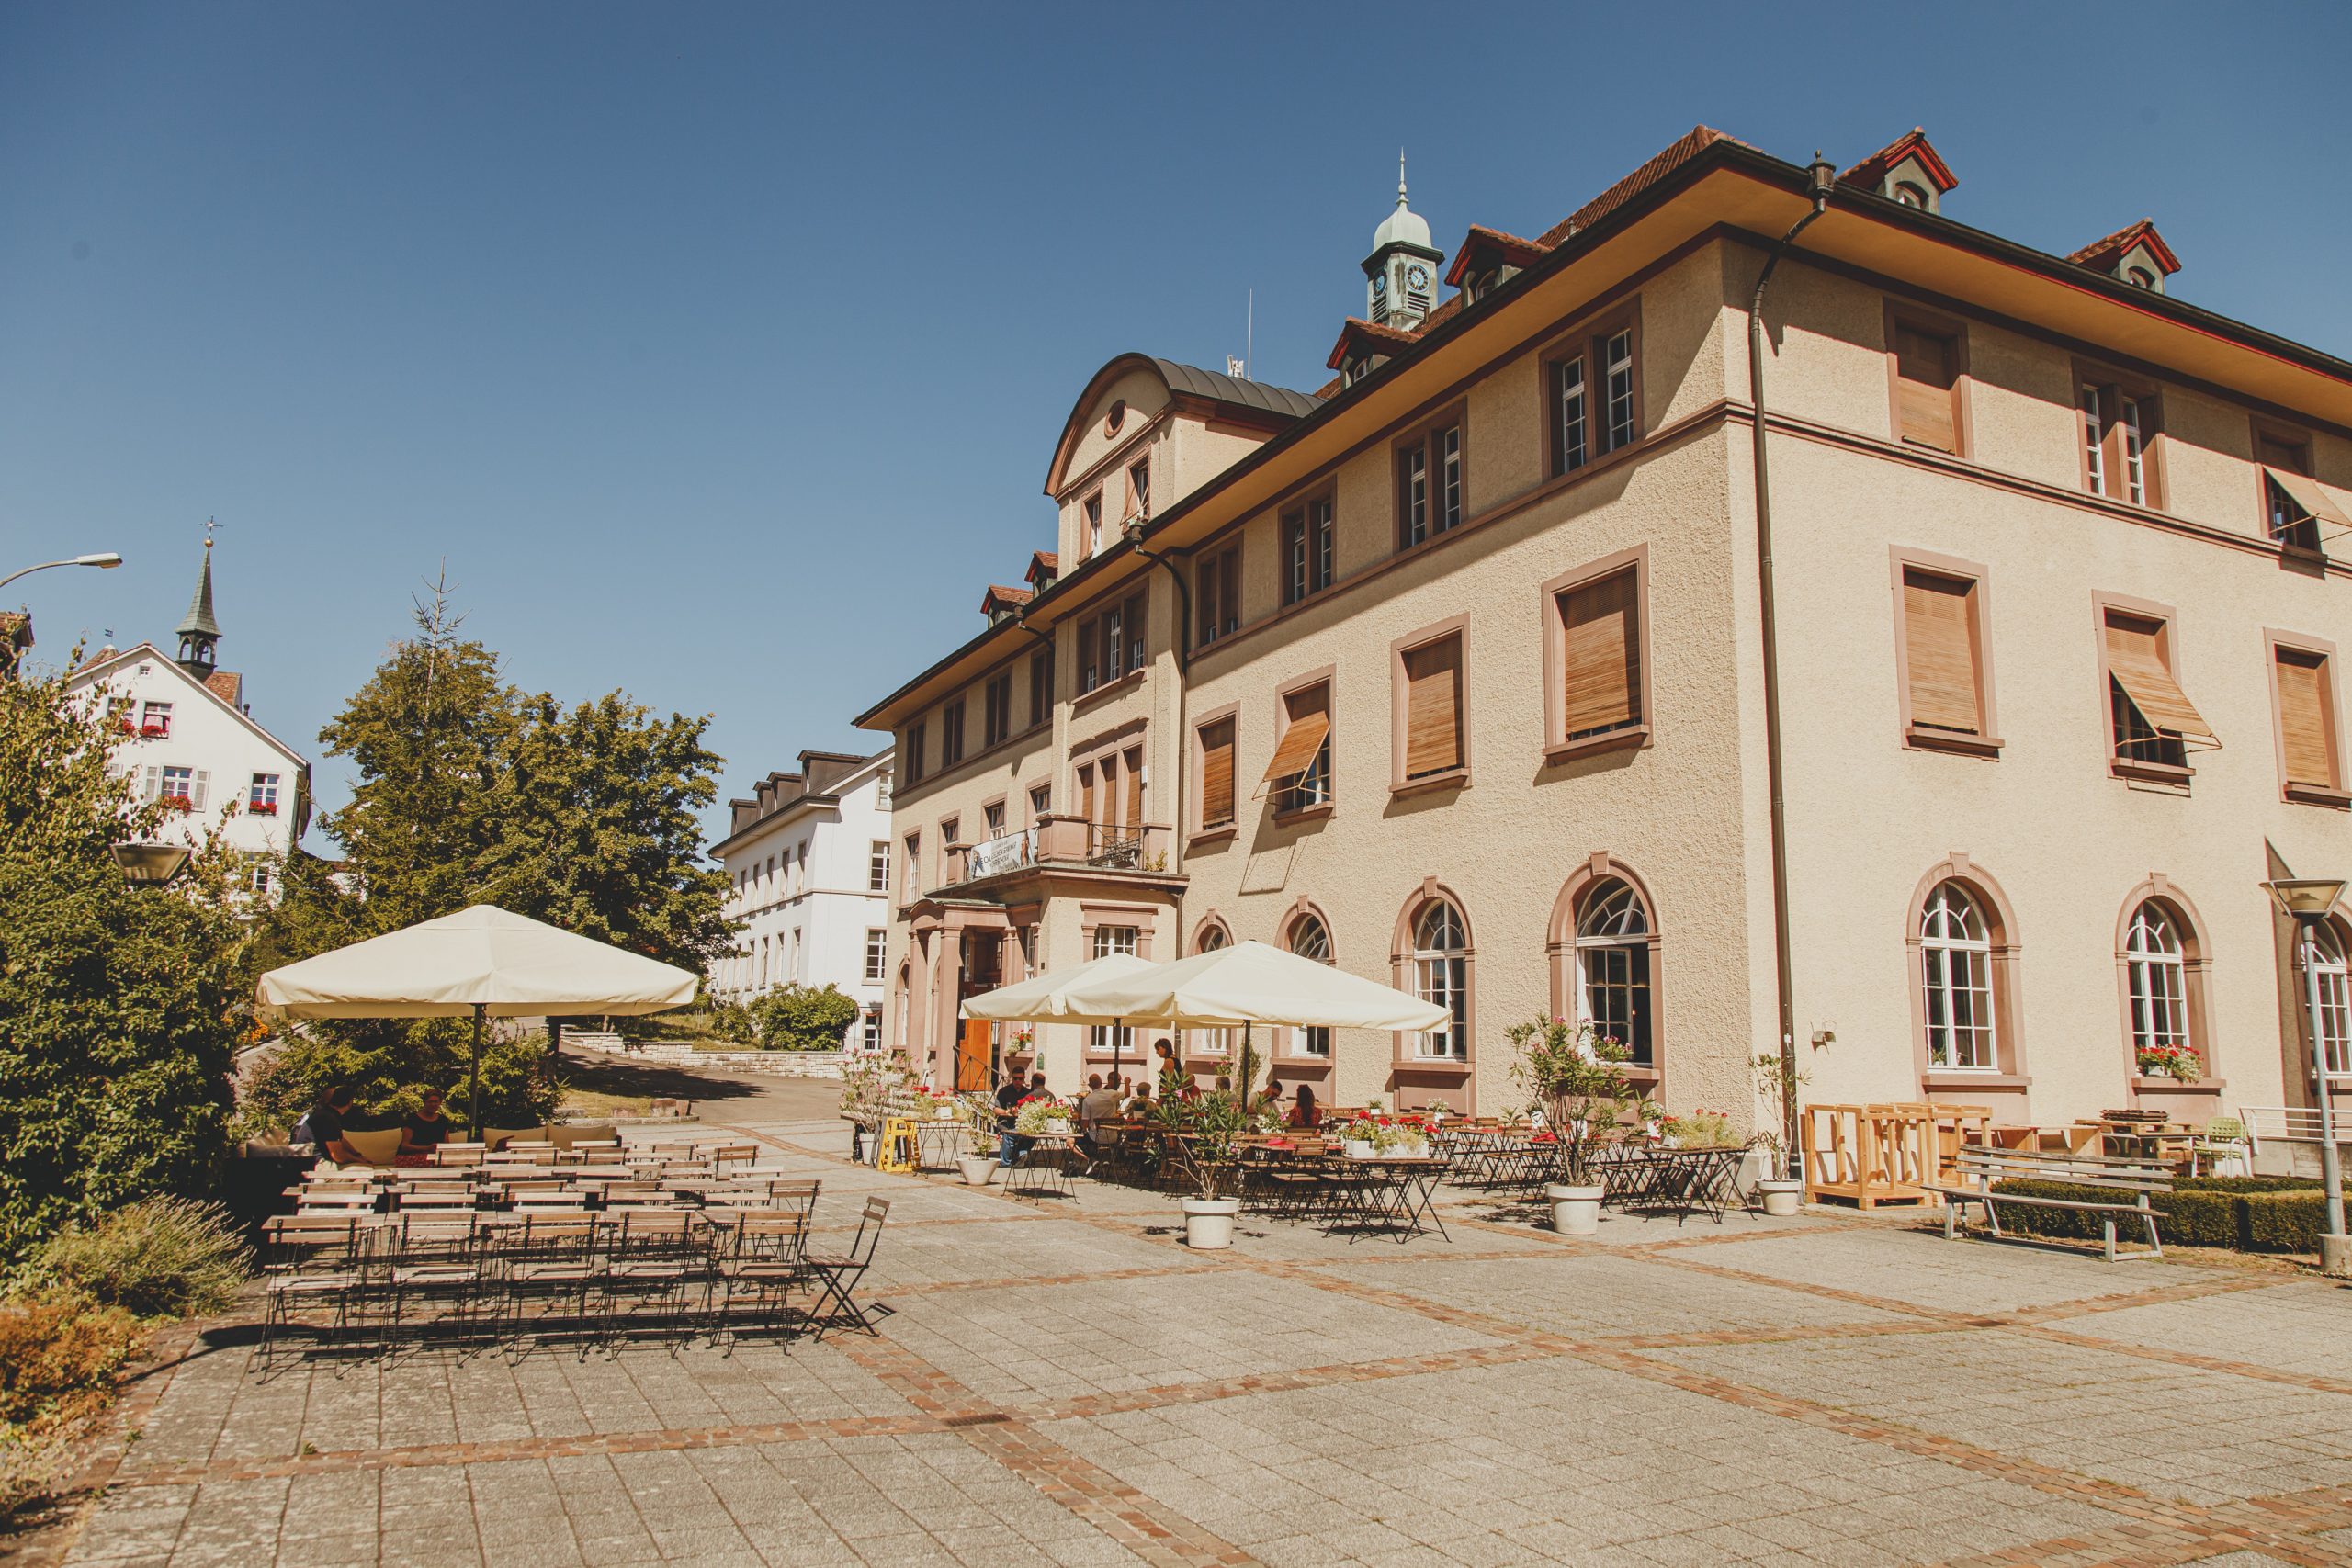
[149,865]
[104,560]
[2310,900]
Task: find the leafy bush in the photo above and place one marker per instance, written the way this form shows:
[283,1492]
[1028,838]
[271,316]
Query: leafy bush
[166,1257]
[33,1464]
[804,1018]
[58,1352]
[2248,1213]
[390,1063]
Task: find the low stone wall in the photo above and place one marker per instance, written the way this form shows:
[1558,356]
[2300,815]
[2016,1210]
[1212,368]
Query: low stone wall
[679,1054]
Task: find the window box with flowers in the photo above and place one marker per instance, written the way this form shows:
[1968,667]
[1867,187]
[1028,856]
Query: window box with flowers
[263,808]
[175,802]
[2180,1063]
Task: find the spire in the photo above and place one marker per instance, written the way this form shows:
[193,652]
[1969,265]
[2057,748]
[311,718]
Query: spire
[200,632]
[1401,177]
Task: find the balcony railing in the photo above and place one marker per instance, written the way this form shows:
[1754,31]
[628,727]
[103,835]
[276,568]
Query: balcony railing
[1068,841]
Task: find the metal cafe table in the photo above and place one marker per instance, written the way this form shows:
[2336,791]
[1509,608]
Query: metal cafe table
[1394,1193]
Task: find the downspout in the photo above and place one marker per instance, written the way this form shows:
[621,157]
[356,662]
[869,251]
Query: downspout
[1822,179]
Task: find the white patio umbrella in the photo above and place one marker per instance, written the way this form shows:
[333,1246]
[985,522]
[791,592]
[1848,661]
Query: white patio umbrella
[482,961]
[1043,997]
[1252,982]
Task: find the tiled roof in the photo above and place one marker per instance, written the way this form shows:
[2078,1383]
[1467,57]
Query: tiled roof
[1482,241]
[998,595]
[228,684]
[2102,253]
[1690,146]
[1872,169]
[1378,332]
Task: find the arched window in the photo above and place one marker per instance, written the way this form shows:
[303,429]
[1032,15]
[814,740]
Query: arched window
[1212,939]
[2331,983]
[2140,277]
[2156,974]
[1956,970]
[1612,966]
[1910,195]
[1309,939]
[1441,976]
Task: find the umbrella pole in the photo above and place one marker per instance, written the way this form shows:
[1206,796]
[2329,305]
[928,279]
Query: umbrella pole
[474,1100]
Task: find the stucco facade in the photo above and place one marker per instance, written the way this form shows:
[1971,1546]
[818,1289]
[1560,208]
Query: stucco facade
[1536,834]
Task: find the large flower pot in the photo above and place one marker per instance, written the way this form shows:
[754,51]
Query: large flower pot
[1576,1211]
[1781,1198]
[977,1168]
[1208,1222]
[1357,1148]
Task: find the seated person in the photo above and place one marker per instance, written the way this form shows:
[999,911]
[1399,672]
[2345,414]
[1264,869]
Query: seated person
[1305,1114]
[1097,1106]
[427,1129]
[1009,1095]
[322,1126]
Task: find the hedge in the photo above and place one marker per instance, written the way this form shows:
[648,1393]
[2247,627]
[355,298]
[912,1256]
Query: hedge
[2248,1213]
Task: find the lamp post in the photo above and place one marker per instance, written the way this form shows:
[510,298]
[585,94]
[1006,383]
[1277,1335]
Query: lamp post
[104,560]
[149,865]
[2309,901]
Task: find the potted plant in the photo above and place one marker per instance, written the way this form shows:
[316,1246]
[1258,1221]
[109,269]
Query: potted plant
[1212,1125]
[978,1162]
[1574,1071]
[2178,1062]
[1403,1137]
[1779,1190]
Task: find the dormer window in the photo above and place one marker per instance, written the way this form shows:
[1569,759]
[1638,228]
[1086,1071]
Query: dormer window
[1356,366]
[2140,277]
[1910,193]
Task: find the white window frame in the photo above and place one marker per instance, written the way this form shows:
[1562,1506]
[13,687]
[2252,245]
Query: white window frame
[1442,975]
[1597,946]
[2157,966]
[2330,977]
[1314,1041]
[1955,970]
[878,953]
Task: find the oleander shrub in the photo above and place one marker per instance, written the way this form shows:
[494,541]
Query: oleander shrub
[164,1257]
[2248,1213]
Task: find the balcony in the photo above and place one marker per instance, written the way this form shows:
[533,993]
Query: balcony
[1063,844]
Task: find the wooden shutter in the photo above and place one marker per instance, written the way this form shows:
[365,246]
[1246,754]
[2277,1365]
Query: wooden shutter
[1939,652]
[1086,793]
[1603,656]
[1217,774]
[154,782]
[1135,790]
[1434,708]
[1923,382]
[2135,658]
[199,790]
[2303,717]
[1309,727]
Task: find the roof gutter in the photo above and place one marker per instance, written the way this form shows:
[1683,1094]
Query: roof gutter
[1824,179]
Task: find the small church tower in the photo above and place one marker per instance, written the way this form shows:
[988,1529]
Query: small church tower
[199,632]
[1401,273]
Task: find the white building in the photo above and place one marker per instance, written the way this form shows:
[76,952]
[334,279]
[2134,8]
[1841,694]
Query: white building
[193,742]
[808,857]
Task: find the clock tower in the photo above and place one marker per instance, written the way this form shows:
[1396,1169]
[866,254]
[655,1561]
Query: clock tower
[1401,273]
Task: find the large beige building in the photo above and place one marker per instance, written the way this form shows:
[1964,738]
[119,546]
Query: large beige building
[1479,672]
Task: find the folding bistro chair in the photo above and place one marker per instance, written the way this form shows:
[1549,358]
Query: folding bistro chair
[436,1280]
[550,1264]
[311,1265]
[837,1273]
[760,1262]
[655,1262]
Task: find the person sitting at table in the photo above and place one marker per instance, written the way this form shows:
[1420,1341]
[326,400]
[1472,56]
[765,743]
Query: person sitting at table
[427,1129]
[1009,1095]
[1097,1106]
[1138,1102]
[322,1126]
[1305,1114]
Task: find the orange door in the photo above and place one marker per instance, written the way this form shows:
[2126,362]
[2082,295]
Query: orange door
[972,1057]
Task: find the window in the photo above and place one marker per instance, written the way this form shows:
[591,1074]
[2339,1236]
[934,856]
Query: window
[2132,429]
[1599,681]
[2330,979]
[878,866]
[1102,1039]
[2094,442]
[1570,448]
[1300,772]
[1926,381]
[1308,550]
[2151,721]
[1217,594]
[1943,658]
[1212,1041]
[915,748]
[1041,687]
[155,720]
[183,788]
[2119,422]
[996,719]
[951,733]
[877,947]
[1910,195]
[1309,938]
[1091,543]
[261,795]
[913,872]
[1429,679]
[1429,484]
[2294,506]
[869,1036]
[1439,976]
[2156,979]
[259,880]
[2303,686]
[1601,363]
[1217,807]
[1618,355]
[1612,966]
[1139,488]
[1041,798]
[1134,770]
[1111,644]
[1956,957]
[951,834]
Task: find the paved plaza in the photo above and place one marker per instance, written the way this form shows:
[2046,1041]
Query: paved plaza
[1060,1382]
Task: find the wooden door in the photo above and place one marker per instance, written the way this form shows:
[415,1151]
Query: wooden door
[972,1057]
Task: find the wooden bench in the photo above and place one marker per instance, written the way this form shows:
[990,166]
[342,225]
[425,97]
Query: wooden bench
[1975,1168]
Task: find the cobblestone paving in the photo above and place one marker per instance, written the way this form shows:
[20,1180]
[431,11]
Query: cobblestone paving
[1059,1381]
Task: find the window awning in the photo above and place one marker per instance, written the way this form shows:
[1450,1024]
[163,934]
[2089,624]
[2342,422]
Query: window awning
[1299,743]
[2140,670]
[2306,494]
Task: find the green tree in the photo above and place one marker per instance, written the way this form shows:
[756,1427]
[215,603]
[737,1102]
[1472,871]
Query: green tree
[804,1018]
[120,1008]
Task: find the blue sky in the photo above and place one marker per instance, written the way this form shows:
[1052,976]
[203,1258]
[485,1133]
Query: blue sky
[711,345]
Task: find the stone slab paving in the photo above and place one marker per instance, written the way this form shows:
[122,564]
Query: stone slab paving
[1062,1382]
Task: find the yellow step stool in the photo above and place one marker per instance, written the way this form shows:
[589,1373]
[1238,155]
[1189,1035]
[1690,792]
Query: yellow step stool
[897,1152]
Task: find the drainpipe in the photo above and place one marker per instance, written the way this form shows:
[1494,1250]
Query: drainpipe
[1822,179]
[1134,530]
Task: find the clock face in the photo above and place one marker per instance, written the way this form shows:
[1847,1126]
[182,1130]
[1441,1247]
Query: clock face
[1380,283]
[1417,278]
